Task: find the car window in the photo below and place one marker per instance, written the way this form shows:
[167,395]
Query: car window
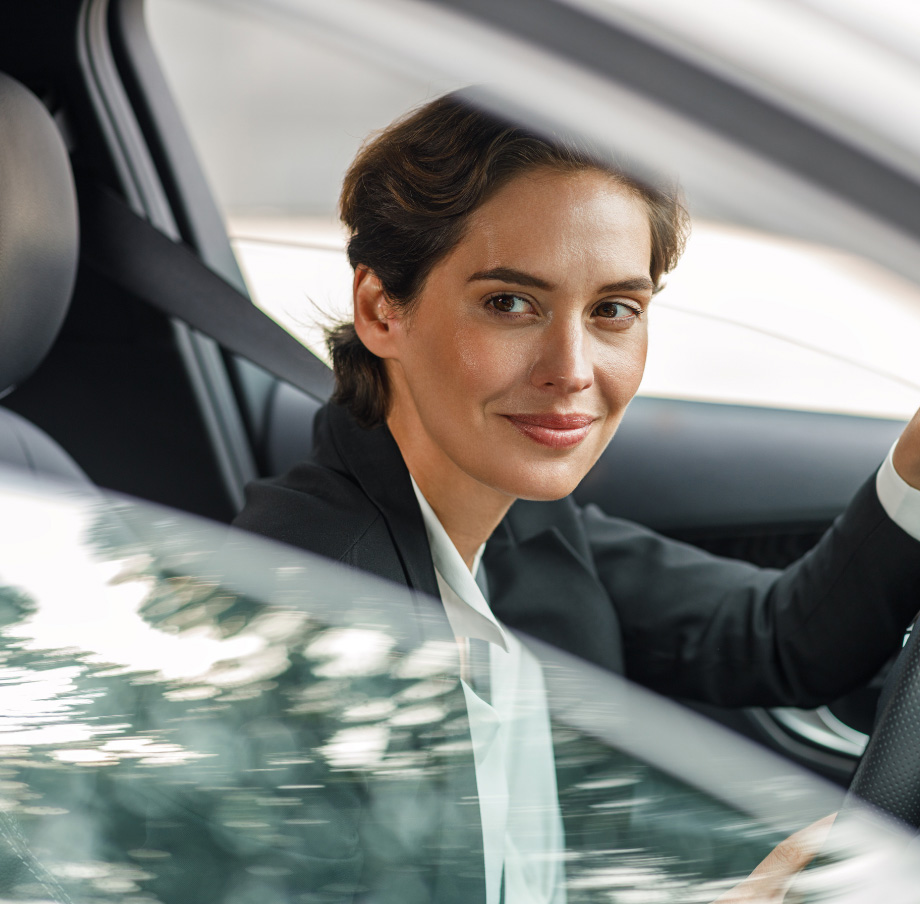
[859,71]
[728,328]
[196,715]
[750,316]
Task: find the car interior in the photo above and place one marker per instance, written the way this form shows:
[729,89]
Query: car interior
[98,379]
[39,229]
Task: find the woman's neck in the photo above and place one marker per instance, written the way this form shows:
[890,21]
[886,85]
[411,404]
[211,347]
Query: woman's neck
[468,525]
[468,510]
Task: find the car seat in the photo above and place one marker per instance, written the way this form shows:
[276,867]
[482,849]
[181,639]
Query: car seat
[38,263]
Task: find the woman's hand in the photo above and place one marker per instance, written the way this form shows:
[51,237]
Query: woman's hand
[771,879]
[906,457]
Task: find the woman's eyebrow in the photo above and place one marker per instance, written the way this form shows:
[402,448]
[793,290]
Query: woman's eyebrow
[633,284]
[509,274]
[520,278]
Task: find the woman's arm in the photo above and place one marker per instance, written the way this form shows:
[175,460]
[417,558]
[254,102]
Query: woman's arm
[706,628]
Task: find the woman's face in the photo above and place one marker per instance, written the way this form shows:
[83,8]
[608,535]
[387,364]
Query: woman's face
[514,367]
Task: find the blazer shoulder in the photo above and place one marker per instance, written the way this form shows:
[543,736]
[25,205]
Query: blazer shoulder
[312,507]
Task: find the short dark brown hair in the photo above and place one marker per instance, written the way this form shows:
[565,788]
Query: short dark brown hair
[408,195]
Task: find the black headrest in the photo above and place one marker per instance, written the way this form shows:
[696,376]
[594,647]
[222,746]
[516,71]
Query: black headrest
[38,232]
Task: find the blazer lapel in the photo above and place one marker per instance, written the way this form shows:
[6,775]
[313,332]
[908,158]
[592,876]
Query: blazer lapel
[373,459]
[542,582]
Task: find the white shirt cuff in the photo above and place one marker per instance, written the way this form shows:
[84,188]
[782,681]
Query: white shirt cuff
[899,499]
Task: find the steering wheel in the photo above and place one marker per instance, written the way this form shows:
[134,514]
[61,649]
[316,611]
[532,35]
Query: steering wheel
[888,776]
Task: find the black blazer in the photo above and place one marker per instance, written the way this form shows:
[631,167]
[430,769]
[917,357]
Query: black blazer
[673,618]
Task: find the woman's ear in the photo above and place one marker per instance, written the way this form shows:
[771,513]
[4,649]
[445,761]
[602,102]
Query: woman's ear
[373,313]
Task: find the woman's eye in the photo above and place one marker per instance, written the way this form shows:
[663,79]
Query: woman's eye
[509,303]
[616,310]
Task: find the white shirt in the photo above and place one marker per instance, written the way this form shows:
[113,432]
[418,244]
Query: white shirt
[512,743]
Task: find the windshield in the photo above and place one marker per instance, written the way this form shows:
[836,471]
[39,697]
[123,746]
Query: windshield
[196,715]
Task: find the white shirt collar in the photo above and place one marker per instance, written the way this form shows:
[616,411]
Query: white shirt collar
[467,610]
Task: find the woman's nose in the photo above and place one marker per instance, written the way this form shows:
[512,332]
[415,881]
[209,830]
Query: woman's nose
[564,361]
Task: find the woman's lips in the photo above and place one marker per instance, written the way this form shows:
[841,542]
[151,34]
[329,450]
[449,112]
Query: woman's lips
[558,431]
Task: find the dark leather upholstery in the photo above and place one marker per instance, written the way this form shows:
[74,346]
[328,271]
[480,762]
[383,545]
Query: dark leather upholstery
[38,232]
[38,264]
[888,776]
[24,446]
[287,434]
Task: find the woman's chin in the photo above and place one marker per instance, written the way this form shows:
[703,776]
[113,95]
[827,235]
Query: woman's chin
[541,485]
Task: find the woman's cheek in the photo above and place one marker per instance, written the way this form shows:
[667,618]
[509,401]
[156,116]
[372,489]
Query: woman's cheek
[621,368]
[493,361]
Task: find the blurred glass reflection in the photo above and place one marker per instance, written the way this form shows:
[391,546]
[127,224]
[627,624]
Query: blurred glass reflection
[189,715]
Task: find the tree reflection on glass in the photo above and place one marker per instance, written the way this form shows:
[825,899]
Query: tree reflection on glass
[190,716]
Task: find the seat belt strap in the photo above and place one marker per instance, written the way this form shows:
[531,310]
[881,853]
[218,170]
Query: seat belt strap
[133,254]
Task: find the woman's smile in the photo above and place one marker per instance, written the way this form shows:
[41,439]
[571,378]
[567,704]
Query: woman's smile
[558,431]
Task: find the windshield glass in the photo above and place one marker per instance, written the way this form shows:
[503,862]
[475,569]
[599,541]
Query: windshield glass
[196,715]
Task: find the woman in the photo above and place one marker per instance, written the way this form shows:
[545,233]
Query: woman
[501,294]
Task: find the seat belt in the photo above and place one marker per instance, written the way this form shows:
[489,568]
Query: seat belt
[132,253]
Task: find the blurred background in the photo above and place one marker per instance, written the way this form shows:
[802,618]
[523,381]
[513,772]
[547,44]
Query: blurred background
[751,316]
